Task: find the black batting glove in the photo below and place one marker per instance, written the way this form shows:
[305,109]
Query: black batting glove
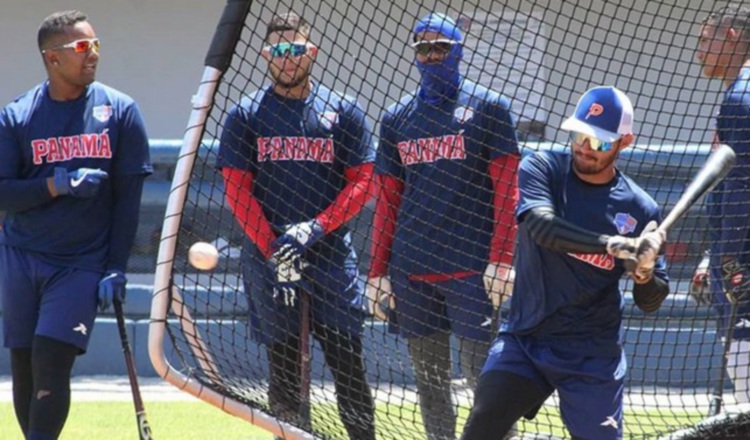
[735,280]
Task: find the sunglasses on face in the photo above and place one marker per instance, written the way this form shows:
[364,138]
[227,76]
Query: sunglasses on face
[594,143]
[435,47]
[84,45]
[287,49]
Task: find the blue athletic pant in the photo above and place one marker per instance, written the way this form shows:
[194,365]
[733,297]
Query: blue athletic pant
[590,388]
[47,300]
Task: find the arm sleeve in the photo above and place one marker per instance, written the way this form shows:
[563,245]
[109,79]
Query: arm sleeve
[536,210]
[127,191]
[17,195]
[21,195]
[351,199]
[389,188]
[133,154]
[238,185]
[504,181]
[649,297]
[550,231]
[387,202]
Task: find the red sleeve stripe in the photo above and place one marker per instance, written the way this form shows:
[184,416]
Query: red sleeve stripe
[351,199]
[238,186]
[502,171]
[387,202]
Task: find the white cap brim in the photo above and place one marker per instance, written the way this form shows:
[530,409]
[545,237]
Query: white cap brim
[575,124]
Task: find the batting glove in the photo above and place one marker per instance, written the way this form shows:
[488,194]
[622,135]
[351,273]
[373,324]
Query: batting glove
[649,245]
[498,282]
[296,240]
[112,287]
[288,278]
[736,280]
[82,183]
[640,253]
[380,297]
[698,289]
[623,248]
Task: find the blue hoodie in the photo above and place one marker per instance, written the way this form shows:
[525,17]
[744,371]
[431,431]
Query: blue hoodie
[440,80]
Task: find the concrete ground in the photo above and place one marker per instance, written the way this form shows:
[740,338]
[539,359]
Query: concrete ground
[116,388]
[110,388]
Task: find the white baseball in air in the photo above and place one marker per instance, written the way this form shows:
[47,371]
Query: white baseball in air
[203,256]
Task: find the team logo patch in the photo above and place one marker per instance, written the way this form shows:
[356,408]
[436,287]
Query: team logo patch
[625,223]
[329,119]
[595,110]
[102,113]
[463,114]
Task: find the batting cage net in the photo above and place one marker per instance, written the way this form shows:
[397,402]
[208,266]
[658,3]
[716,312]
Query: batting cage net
[299,353]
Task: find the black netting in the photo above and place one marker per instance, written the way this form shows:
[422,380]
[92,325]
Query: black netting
[541,55]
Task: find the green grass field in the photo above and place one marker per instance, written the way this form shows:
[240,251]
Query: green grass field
[169,421]
[197,420]
[404,422]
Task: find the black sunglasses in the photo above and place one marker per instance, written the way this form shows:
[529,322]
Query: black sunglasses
[435,47]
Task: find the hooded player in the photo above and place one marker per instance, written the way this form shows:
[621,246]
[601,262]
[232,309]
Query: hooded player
[446,166]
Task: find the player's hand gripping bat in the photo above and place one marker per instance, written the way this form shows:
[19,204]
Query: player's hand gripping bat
[717,166]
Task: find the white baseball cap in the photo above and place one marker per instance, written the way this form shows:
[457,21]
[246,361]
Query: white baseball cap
[604,112]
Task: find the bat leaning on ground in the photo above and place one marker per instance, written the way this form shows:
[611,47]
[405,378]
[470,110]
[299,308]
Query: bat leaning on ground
[144,429]
[717,166]
[304,350]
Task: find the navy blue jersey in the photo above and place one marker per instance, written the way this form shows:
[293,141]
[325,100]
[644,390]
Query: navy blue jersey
[728,204]
[298,151]
[574,299]
[442,154]
[102,129]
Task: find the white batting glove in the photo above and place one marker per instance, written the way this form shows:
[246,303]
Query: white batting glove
[498,282]
[296,239]
[288,276]
[649,244]
[380,297]
[641,252]
[622,248]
